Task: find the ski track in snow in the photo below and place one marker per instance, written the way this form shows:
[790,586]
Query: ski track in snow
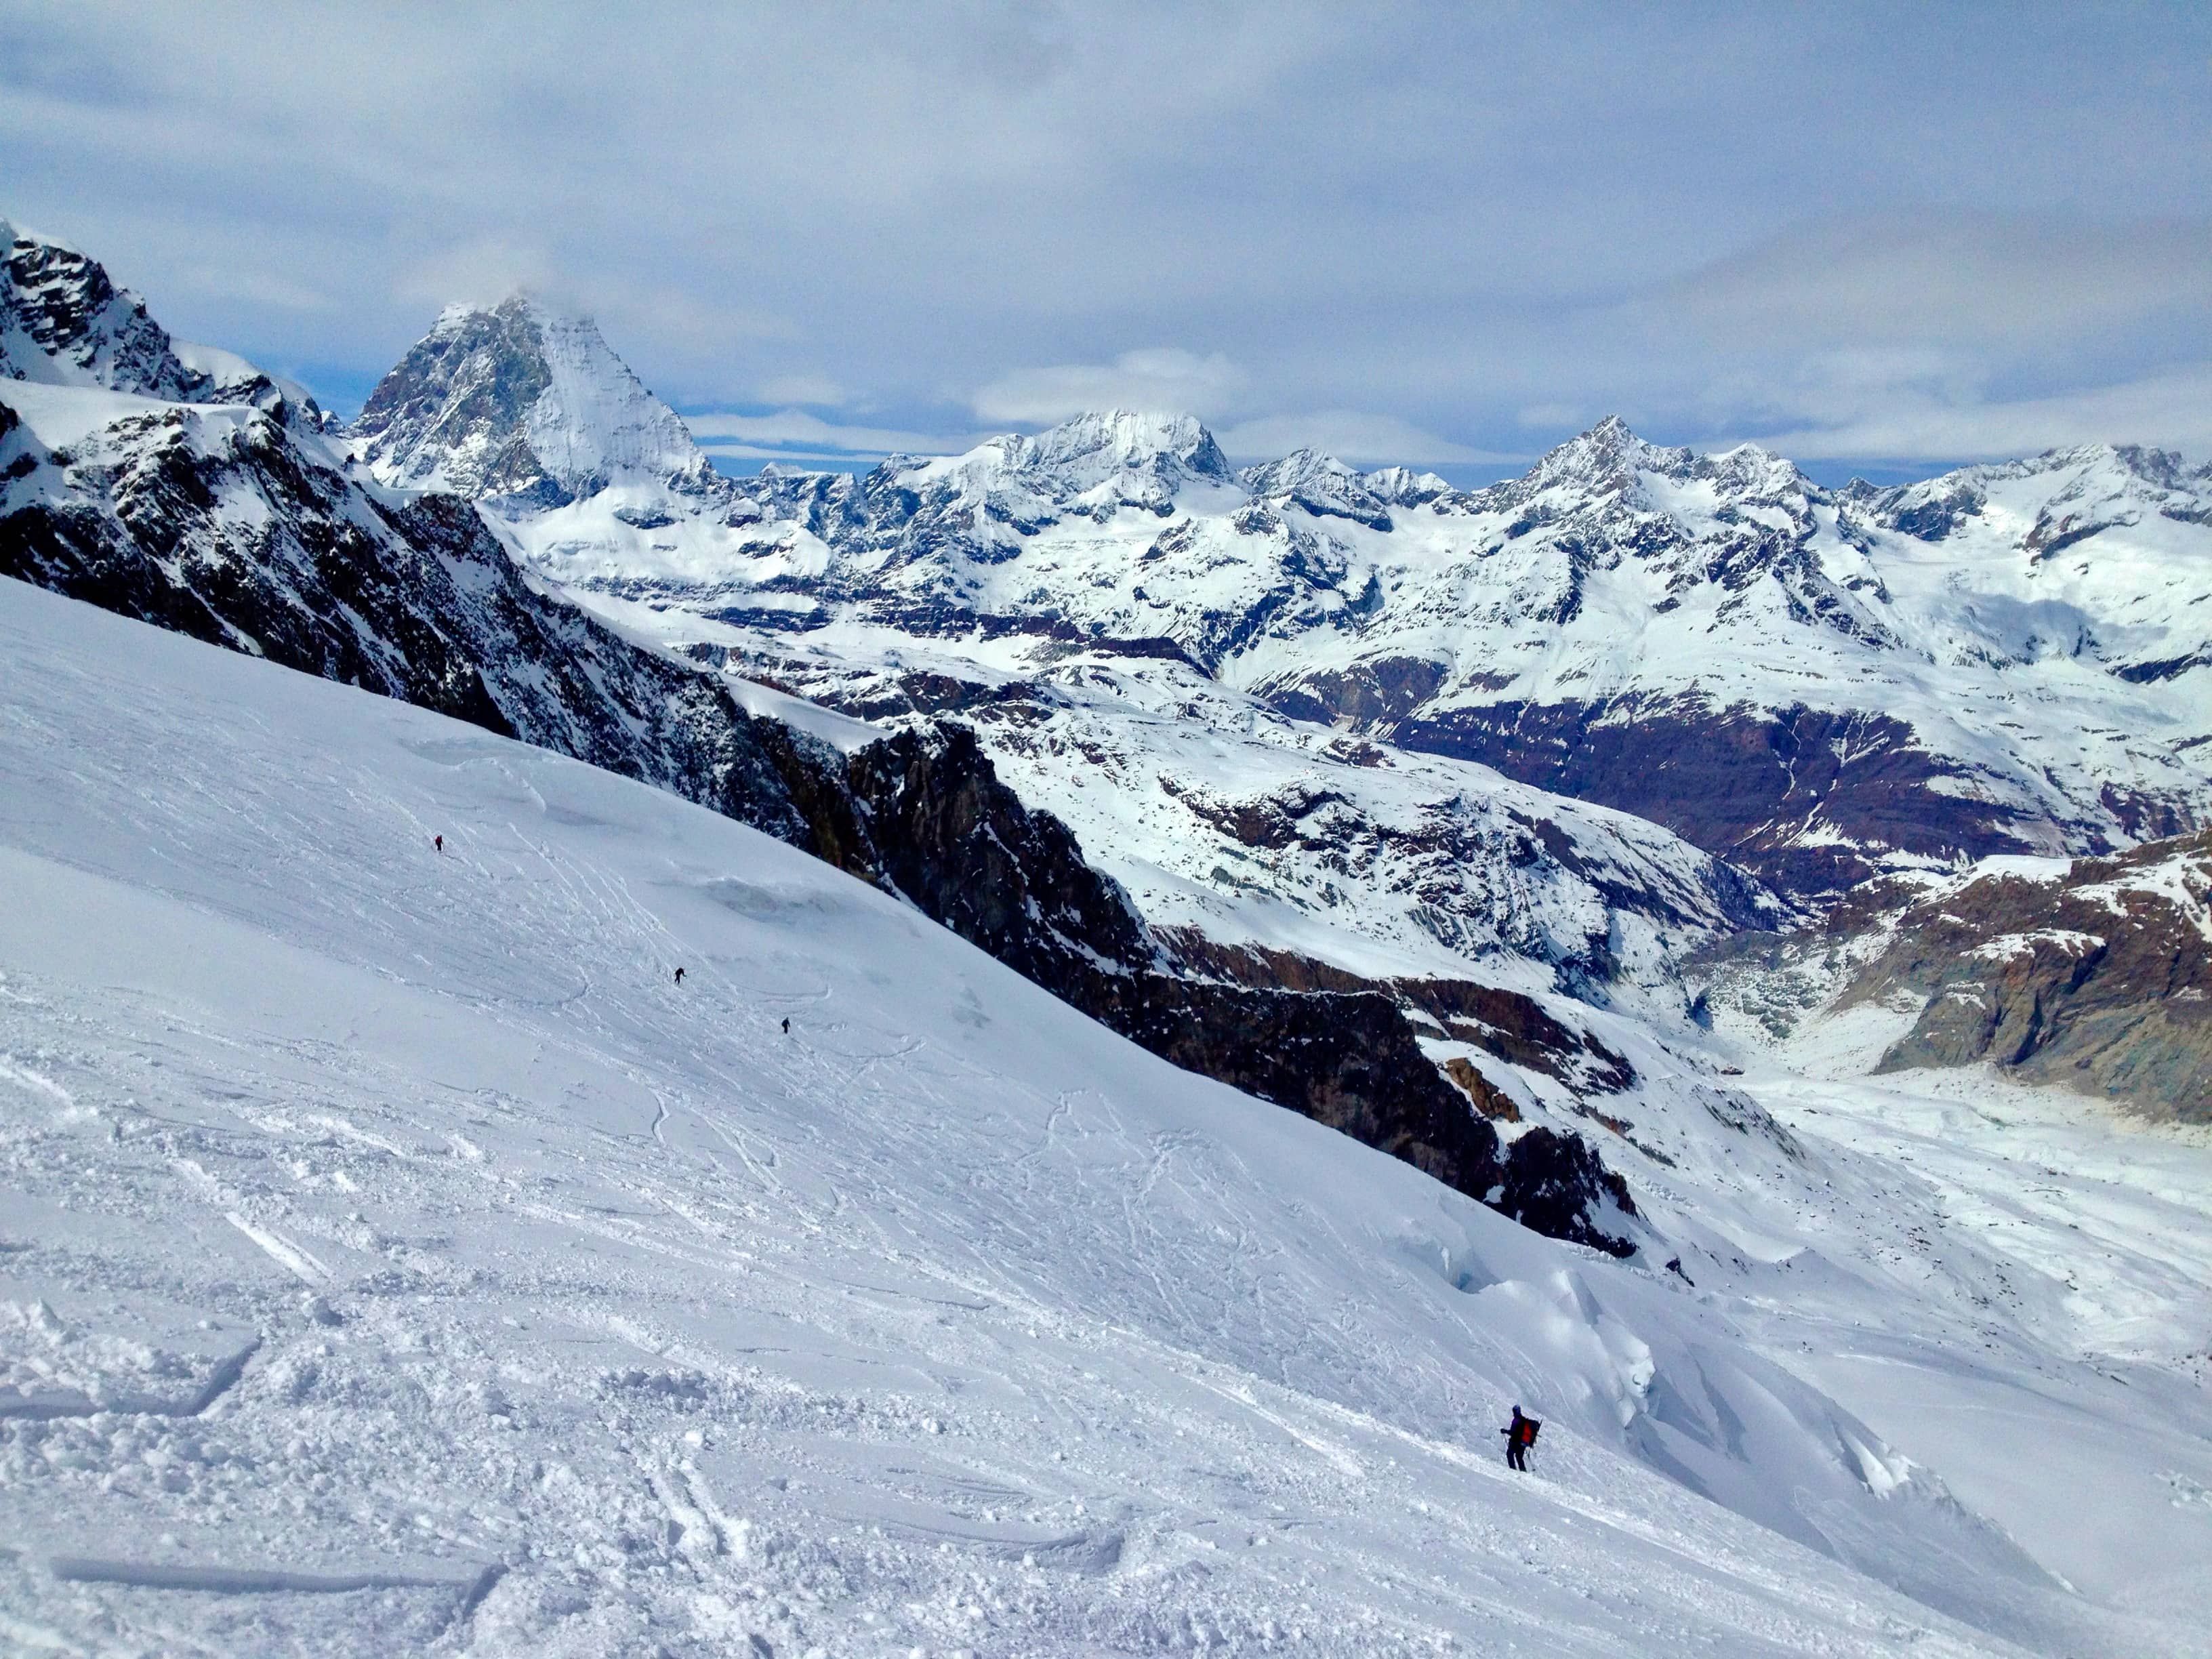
[525,1302]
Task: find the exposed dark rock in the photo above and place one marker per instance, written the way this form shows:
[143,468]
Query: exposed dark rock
[964,848]
[1740,783]
[1515,1028]
[418,603]
[1554,1182]
[60,304]
[2101,979]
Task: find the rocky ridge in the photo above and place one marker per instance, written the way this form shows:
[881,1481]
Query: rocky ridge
[2096,974]
[63,322]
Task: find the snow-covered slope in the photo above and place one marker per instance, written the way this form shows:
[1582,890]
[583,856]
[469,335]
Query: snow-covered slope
[1226,820]
[1234,829]
[397,1260]
[522,402]
[228,524]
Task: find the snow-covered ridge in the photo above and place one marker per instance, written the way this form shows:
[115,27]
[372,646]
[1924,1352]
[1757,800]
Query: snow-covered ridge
[2008,659]
[63,323]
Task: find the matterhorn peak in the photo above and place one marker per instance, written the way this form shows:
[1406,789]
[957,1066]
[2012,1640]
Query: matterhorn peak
[525,403]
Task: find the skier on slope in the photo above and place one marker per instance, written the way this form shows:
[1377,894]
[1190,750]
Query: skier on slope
[679,979]
[1520,1435]
[438,841]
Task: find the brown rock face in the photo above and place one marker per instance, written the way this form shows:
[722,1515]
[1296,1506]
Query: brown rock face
[2100,980]
[1489,1100]
[1340,1050]
[1737,782]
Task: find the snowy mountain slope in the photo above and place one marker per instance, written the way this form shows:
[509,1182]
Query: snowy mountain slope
[521,402]
[397,1260]
[1266,853]
[1122,620]
[225,522]
[1409,874]
[1221,817]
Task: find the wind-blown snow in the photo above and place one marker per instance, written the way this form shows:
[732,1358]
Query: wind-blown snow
[396,1260]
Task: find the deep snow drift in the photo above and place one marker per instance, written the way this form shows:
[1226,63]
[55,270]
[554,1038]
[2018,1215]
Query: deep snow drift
[396,1258]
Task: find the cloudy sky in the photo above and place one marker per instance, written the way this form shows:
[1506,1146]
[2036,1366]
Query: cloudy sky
[1877,237]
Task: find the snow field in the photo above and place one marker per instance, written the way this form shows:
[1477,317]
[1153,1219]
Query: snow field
[396,1259]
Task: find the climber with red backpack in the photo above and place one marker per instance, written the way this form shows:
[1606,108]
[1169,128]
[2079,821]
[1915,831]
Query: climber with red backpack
[1520,1435]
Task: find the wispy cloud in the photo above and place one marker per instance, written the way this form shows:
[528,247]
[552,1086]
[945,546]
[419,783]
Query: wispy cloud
[1352,436]
[1158,378]
[2173,411]
[817,390]
[797,428]
[1486,223]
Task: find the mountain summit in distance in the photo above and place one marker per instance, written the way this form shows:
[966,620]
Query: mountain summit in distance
[1832,683]
[521,402]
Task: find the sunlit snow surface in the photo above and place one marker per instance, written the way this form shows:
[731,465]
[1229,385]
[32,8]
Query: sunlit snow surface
[393,1259]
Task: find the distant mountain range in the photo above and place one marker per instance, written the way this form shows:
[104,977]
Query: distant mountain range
[1816,684]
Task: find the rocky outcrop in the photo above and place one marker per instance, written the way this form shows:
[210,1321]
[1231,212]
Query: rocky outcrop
[63,322]
[417,601]
[1807,800]
[2098,976]
[964,848]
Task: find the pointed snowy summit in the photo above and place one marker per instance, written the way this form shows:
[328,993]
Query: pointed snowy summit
[1322,484]
[522,403]
[1090,447]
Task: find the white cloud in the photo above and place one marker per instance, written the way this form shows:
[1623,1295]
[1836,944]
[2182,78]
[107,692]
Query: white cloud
[1162,378]
[480,272]
[795,430]
[1350,435]
[1951,281]
[1481,221]
[817,390]
[2171,411]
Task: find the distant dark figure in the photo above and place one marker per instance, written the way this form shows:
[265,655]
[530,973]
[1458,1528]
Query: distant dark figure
[786,1025]
[679,976]
[438,841]
[1520,1435]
